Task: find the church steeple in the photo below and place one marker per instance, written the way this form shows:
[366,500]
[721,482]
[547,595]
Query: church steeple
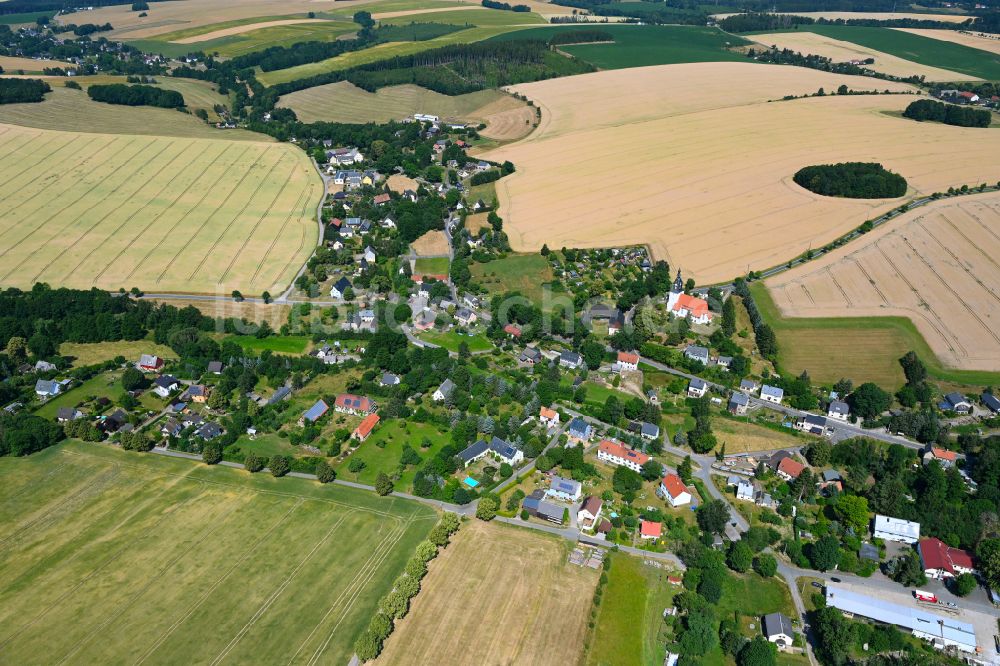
[678,287]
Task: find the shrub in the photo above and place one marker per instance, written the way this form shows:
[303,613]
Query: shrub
[253,463]
[279,466]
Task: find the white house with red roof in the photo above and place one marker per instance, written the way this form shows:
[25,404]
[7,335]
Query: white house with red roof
[548,417]
[355,404]
[365,427]
[942,561]
[628,361]
[673,490]
[590,512]
[650,530]
[687,306]
[789,469]
[149,363]
[616,454]
[944,456]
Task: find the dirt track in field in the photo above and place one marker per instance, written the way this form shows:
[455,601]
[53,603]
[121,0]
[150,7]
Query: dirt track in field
[939,266]
[704,177]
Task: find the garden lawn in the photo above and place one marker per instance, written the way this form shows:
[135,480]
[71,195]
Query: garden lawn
[432,265]
[451,340]
[92,353]
[394,434]
[280,344]
[101,386]
[523,273]
[266,445]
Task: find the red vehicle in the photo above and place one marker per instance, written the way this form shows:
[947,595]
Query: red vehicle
[928,597]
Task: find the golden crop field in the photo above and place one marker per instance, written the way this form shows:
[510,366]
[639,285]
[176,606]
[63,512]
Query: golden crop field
[704,176]
[976,40]
[937,265]
[165,214]
[497,595]
[12,64]
[240,29]
[840,51]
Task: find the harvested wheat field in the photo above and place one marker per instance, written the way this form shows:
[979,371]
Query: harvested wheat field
[874,16]
[240,29]
[977,40]
[12,64]
[709,176]
[165,214]
[813,43]
[937,266]
[431,244]
[507,119]
[399,183]
[477,222]
[497,595]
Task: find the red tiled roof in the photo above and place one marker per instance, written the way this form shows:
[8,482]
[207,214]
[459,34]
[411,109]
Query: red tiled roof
[619,451]
[675,580]
[592,505]
[381,198]
[628,357]
[367,425]
[353,402]
[697,307]
[336,222]
[674,486]
[938,555]
[547,413]
[651,529]
[512,330]
[791,467]
[944,454]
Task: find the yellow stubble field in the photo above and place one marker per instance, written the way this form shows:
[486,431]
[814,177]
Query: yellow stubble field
[937,266]
[977,40]
[703,175]
[165,214]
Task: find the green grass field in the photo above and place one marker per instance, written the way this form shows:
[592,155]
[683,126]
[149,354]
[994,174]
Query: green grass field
[232,46]
[394,434]
[524,273]
[432,265]
[344,102]
[101,386]
[282,344]
[630,618]
[165,214]
[873,345]
[28,17]
[385,51]
[111,556]
[72,111]
[924,50]
[452,341]
[640,46]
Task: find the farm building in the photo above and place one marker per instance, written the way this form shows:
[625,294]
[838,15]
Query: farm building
[365,428]
[315,412]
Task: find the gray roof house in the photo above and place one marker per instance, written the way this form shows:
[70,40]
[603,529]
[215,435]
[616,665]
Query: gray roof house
[341,286]
[506,451]
[209,430]
[696,353]
[530,355]
[46,388]
[215,367]
[443,391]
[649,431]
[771,393]
[991,402]
[389,379]
[570,359]
[738,402]
[748,385]
[956,402]
[838,410]
[580,429]
[279,395]
[566,489]
[542,509]
[68,414]
[778,629]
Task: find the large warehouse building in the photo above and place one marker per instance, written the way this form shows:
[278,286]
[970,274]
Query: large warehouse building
[941,631]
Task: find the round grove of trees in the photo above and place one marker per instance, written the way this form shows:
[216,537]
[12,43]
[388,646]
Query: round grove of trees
[852,180]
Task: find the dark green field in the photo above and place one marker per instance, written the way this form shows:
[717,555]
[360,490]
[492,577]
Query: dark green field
[644,45]
[924,50]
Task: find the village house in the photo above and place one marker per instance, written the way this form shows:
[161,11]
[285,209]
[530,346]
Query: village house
[955,402]
[697,353]
[389,379]
[746,490]
[789,469]
[425,320]
[565,489]
[570,359]
[197,393]
[673,490]
[498,448]
[687,306]
[530,356]
[839,410]
[365,428]
[465,317]
[64,414]
[444,390]
[697,388]
[369,255]
[149,363]
[164,385]
[941,561]
[315,412]
[738,403]
[171,428]
[617,454]
[590,513]
[44,366]
[628,361]
[772,394]
[381,199]
[209,430]
[215,367]
[340,288]
[345,156]
[896,529]
[579,431]
[748,386]
[944,457]
[512,330]
[991,402]
[778,630]
[650,530]
[539,508]
[347,403]
[653,396]
[548,417]
[46,389]
[649,430]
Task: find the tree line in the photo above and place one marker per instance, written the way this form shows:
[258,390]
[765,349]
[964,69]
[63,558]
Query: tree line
[853,180]
[136,95]
[15,91]
[493,4]
[949,114]
[581,36]
[767,343]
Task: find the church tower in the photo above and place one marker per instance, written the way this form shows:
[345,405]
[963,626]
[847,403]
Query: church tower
[675,291]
